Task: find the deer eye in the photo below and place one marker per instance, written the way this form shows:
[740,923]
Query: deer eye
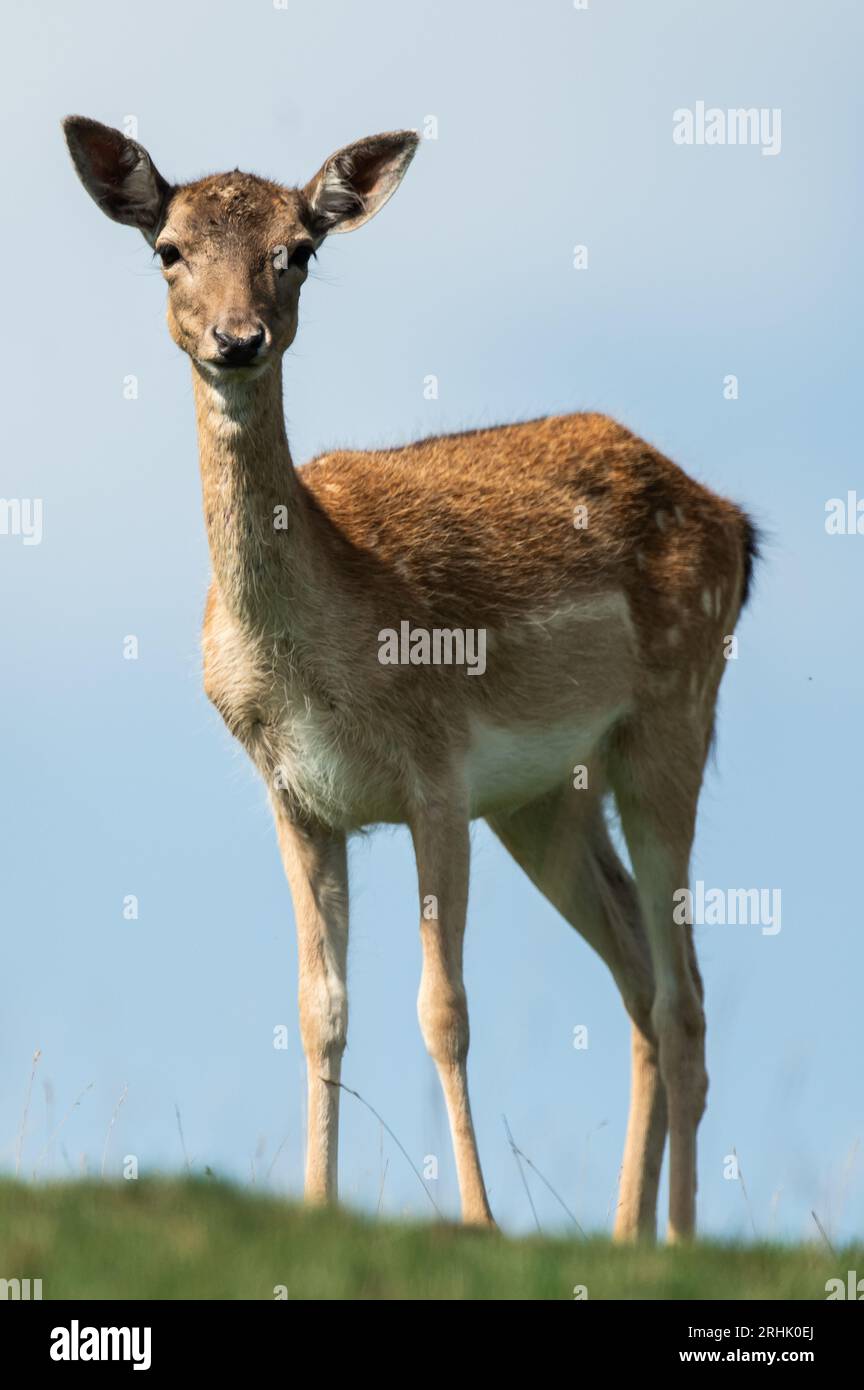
[298,260]
[301,255]
[168,253]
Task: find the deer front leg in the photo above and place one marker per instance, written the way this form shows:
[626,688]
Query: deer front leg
[441,844]
[316,865]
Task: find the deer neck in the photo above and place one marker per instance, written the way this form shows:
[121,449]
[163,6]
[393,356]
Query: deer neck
[255,507]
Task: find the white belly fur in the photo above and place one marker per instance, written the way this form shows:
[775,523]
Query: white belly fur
[511,766]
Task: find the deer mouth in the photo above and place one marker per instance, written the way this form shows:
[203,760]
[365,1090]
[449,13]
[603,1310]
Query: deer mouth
[216,369]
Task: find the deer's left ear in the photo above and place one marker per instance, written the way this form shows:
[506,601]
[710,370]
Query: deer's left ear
[119,174]
[355,182]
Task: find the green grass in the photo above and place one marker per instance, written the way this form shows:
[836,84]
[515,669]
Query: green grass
[160,1238]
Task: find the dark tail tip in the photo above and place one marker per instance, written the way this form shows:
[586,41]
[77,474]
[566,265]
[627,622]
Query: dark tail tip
[752,552]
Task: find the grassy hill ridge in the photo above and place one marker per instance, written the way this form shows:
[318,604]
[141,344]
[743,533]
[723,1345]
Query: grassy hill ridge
[180,1239]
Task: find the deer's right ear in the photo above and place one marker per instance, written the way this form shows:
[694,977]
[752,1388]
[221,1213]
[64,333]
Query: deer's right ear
[119,175]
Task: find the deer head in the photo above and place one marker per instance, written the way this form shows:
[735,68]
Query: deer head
[234,247]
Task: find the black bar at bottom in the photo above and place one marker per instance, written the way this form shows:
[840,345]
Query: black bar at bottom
[74,1338]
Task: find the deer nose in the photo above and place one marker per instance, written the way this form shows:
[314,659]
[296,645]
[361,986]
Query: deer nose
[237,352]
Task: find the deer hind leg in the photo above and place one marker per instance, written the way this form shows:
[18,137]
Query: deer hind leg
[656,772]
[562,843]
[316,866]
[441,844]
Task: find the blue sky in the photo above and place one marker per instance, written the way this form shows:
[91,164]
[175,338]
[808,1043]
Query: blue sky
[554,129]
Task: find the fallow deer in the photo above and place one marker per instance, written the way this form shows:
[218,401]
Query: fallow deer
[603,578]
